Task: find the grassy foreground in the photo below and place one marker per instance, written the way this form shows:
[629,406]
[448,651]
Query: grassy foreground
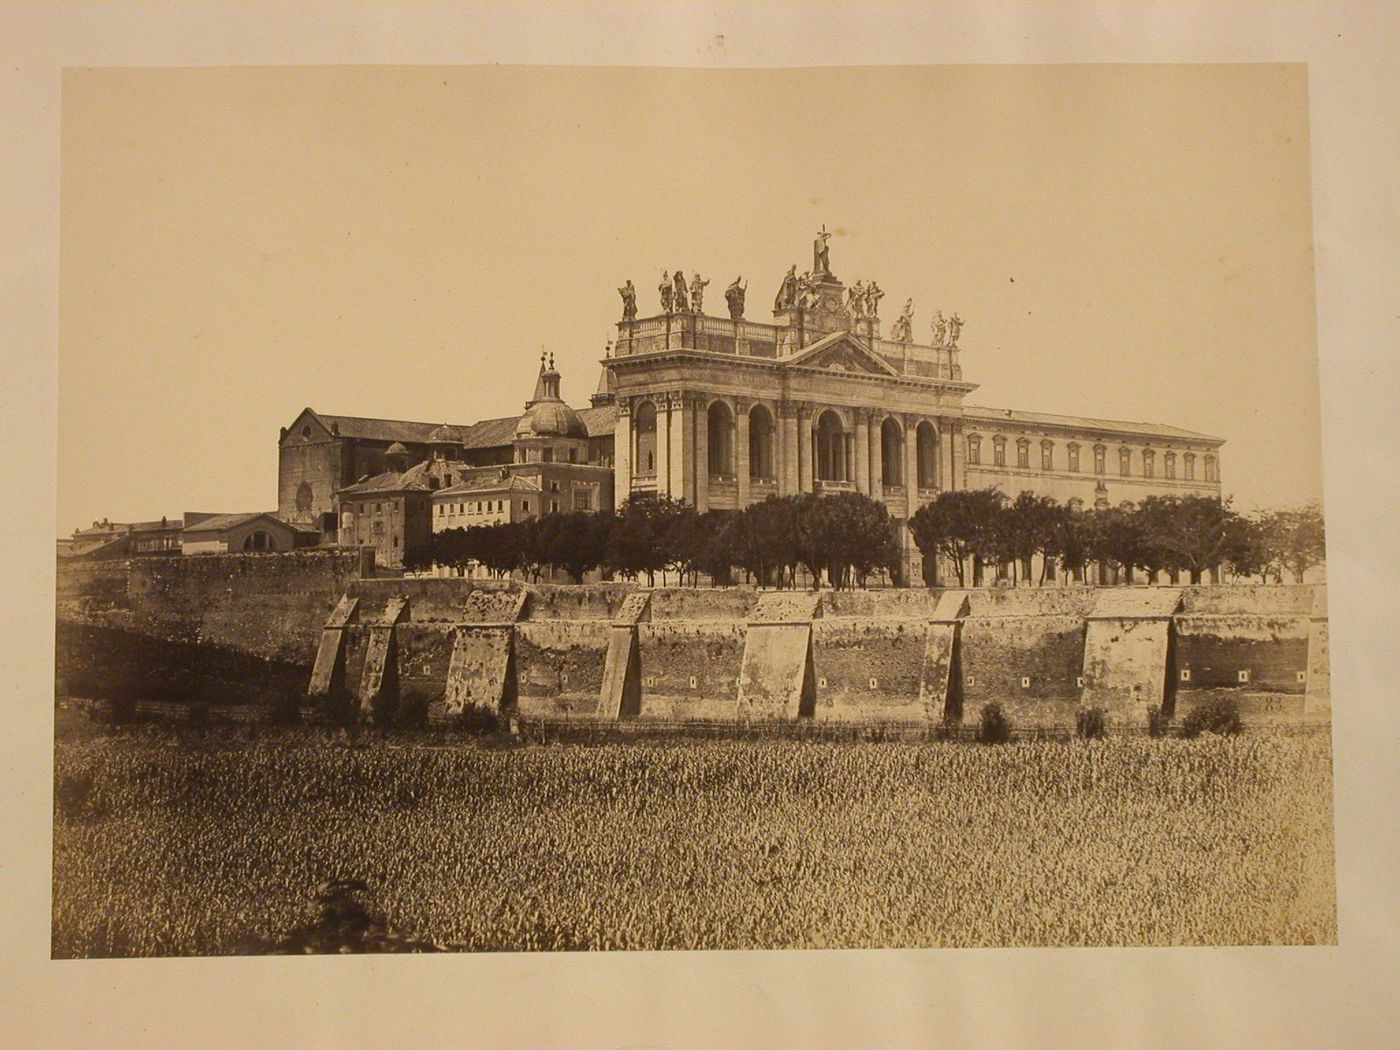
[164,847]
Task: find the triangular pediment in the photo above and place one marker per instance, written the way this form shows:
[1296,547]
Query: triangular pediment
[841,352]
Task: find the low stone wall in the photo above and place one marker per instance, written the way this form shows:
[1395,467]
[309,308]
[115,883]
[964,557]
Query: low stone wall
[867,656]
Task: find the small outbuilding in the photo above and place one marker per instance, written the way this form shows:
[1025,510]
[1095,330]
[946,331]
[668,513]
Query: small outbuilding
[260,532]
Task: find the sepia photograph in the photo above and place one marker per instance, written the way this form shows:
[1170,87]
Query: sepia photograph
[560,509]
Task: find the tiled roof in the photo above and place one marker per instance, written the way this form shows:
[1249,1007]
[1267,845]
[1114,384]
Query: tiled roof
[222,522]
[977,413]
[599,420]
[493,483]
[490,432]
[414,479]
[378,429]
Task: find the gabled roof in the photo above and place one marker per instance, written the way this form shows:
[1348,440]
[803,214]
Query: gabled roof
[224,522]
[375,429]
[493,483]
[828,347]
[414,479]
[990,416]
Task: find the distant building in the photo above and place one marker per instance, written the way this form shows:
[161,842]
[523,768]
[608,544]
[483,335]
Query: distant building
[257,532]
[547,462]
[109,539]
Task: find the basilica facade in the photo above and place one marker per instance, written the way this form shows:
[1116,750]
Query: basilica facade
[722,411]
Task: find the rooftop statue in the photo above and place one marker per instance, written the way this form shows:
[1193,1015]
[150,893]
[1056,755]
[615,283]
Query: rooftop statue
[697,292]
[665,289]
[873,295]
[855,300]
[734,296]
[629,301]
[955,324]
[903,330]
[787,291]
[678,295]
[821,258]
[940,329]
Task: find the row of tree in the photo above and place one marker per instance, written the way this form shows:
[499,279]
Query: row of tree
[849,539]
[1180,535]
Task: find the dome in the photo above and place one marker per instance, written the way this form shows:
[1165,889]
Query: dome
[396,449]
[444,435]
[550,419]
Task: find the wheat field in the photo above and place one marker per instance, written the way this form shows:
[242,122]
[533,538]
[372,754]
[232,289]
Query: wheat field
[190,846]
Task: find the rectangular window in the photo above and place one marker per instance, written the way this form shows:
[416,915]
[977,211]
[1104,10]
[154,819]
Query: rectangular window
[1023,456]
[554,506]
[974,452]
[1047,457]
[1190,468]
[999,455]
[1074,458]
[554,486]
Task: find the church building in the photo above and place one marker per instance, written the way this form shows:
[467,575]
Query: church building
[722,412]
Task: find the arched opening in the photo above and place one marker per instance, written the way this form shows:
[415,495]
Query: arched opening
[891,452]
[760,442]
[926,441]
[832,455]
[644,431]
[258,541]
[721,440]
[304,497]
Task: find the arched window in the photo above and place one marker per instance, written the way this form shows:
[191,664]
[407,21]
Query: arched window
[1023,453]
[760,442]
[720,434]
[1190,461]
[974,449]
[644,436]
[999,451]
[1099,454]
[1149,463]
[1125,461]
[1047,455]
[306,432]
[258,541]
[1211,469]
[1073,449]
[1169,461]
[832,454]
[891,452]
[304,497]
[927,445]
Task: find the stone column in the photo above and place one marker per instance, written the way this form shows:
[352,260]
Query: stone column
[877,461]
[741,454]
[702,457]
[663,445]
[622,453]
[913,560]
[862,452]
[806,449]
[950,439]
[682,449]
[788,434]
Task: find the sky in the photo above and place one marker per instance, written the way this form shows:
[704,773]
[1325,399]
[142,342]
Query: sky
[1127,242]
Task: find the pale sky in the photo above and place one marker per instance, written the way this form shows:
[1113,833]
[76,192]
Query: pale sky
[1129,242]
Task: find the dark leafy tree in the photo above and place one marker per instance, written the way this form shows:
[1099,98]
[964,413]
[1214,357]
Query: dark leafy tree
[960,524]
[1193,533]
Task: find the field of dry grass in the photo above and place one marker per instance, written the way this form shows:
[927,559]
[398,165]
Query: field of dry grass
[165,846]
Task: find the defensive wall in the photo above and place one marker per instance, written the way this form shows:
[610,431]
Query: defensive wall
[448,647]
